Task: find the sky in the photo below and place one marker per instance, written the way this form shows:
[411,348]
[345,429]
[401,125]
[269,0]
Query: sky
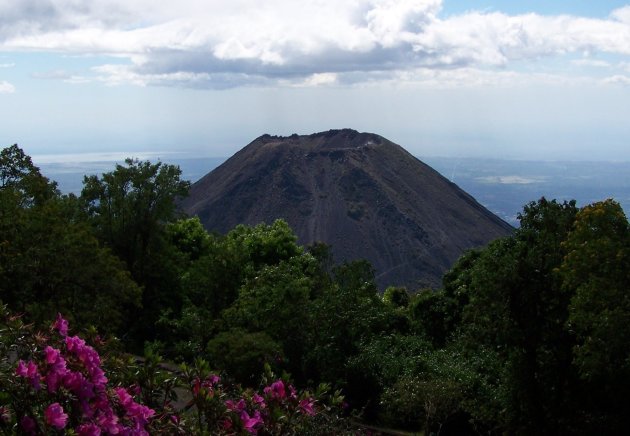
[511,79]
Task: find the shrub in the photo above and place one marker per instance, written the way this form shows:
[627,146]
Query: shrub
[52,382]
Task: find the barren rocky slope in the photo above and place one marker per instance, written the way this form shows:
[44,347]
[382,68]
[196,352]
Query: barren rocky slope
[359,192]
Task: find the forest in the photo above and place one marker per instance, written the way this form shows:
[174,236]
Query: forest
[181,331]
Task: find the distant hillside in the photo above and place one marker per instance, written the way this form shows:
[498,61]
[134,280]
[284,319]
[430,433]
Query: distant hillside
[359,192]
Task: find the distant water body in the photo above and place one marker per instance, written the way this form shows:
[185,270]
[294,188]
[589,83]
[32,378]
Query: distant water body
[503,186]
[68,170]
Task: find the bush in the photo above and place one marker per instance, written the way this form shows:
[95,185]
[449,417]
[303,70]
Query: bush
[52,382]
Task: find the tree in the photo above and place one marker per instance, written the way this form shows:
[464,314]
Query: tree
[189,237]
[517,306]
[434,315]
[264,244]
[276,302]
[245,279]
[347,315]
[597,270]
[49,260]
[69,272]
[596,273]
[22,180]
[244,354]
[129,208]
[21,187]
[396,296]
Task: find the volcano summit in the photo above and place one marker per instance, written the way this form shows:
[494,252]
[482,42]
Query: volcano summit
[358,192]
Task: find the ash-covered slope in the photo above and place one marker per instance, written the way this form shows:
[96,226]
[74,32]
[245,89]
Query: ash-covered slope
[362,194]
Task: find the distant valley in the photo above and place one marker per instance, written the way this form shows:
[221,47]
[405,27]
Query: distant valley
[503,186]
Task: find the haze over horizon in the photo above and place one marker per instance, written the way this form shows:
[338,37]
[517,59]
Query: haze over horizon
[503,79]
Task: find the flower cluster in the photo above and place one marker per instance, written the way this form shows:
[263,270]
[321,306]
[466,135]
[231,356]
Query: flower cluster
[59,385]
[71,374]
[30,372]
[277,410]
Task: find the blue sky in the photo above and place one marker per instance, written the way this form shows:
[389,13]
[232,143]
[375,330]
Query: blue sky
[585,8]
[507,79]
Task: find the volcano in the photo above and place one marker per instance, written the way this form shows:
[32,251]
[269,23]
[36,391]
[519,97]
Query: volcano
[358,192]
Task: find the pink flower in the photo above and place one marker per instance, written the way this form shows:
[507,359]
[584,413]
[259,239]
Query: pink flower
[235,407]
[276,390]
[73,381]
[306,405]
[88,430]
[74,343]
[258,400]
[89,358]
[214,379]
[251,424]
[21,369]
[61,325]
[56,369]
[98,407]
[123,396]
[108,422]
[54,416]
[30,371]
[52,354]
[82,388]
[137,412]
[97,375]
[208,384]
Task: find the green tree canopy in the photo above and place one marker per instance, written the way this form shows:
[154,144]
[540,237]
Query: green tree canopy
[22,180]
[596,272]
[129,209]
[49,260]
[517,306]
[130,205]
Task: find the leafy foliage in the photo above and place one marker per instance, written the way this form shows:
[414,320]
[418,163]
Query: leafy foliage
[61,386]
[129,205]
[396,296]
[49,260]
[528,335]
[244,354]
[128,209]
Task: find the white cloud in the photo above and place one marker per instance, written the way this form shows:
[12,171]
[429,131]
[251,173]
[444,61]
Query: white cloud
[62,75]
[591,63]
[320,79]
[120,74]
[617,79]
[622,14]
[242,42]
[6,87]
[395,21]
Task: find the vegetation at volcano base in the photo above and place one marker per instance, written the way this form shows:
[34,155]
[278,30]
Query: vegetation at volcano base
[528,335]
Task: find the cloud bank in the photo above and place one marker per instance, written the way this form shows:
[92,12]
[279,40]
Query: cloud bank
[6,87]
[219,44]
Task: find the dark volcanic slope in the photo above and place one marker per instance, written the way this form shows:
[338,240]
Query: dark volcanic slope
[359,192]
